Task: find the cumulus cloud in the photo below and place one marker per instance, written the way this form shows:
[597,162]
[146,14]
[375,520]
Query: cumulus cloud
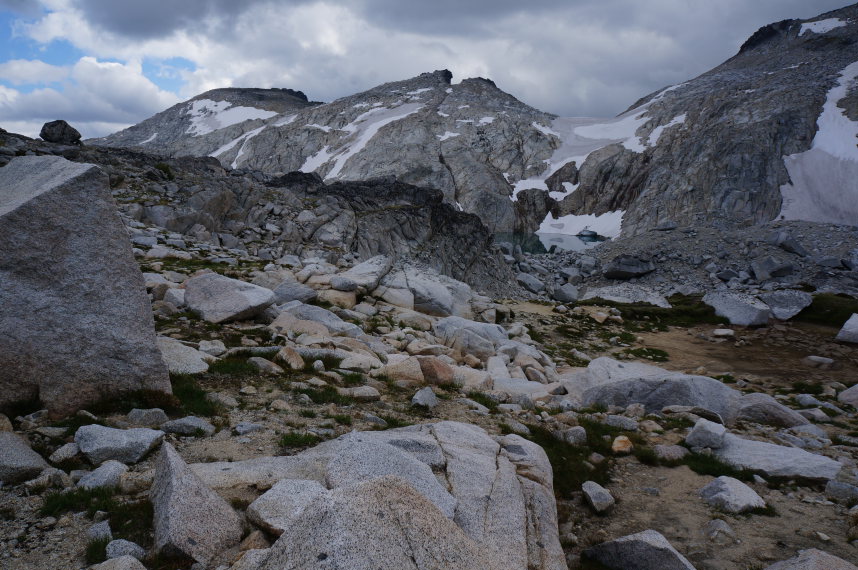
[96,97]
[570,57]
[28,72]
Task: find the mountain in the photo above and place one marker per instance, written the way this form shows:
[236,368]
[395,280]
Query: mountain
[770,133]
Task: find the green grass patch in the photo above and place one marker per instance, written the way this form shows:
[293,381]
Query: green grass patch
[96,550]
[326,395]
[330,361]
[342,419]
[807,388]
[192,398]
[654,354]
[568,462]
[307,414]
[165,168]
[484,400]
[394,422]
[79,499]
[233,366]
[685,311]
[710,465]
[725,378]
[767,511]
[353,379]
[829,309]
[293,439]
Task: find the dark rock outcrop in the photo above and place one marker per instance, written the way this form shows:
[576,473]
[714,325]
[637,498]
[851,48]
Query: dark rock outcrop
[60,132]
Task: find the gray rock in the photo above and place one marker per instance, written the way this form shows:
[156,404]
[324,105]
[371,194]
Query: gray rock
[566,293]
[279,508]
[738,308]
[244,428]
[147,418]
[627,266]
[842,493]
[68,262]
[776,460]
[100,531]
[121,547]
[122,563]
[849,396]
[323,316]
[341,283]
[731,495]
[216,298]
[180,358]
[787,242]
[628,293]
[849,331]
[289,291]
[190,425]
[622,422]
[764,409]
[575,435]
[470,337]
[59,132]
[597,496]
[670,452]
[106,475]
[100,443]
[190,519]
[17,461]
[813,559]
[368,274]
[766,268]
[64,453]
[647,550]
[425,397]
[529,282]
[363,527]
[787,303]
[212,347]
[706,434]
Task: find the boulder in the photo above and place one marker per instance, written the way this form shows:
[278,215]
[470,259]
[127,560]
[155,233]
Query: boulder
[100,443]
[849,331]
[121,547]
[126,562]
[647,550]
[152,417]
[425,398]
[322,316]
[59,132]
[597,497]
[438,295]
[787,303]
[628,293]
[190,519]
[731,495]
[190,425]
[106,475]
[566,293]
[67,263]
[279,507]
[706,434]
[217,298]
[776,460]
[849,396]
[627,267]
[813,559]
[470,337]
[379,524]
[764,409]
[529,282]
[739,308]
[368,274]
[289,290]
[180,358]
[17,461]
[768,267]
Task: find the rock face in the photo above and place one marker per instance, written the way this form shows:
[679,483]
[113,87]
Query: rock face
[60,132]
[68,273]
[647,550]
[190,519]
[381,524]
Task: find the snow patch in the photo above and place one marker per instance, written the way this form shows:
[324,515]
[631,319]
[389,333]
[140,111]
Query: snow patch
[525,184]
[823,178]
[443,114]
[655,135]
[285,121]
[150,139]
[208,116]
[449,89]
[365,129]
[325,128]
[463,106]
[448,135]
[247,136]
[544,130]
[622,130]
[419,91]
[822,26]
[315,161]
[487,120]
[608,224]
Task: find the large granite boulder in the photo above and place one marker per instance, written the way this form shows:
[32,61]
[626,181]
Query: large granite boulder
[100,443]
[59,132]
[738,308]
[787,303]
[77,324]
[190,519]
[627,267]
[776,460]
[647,550]
[217,298]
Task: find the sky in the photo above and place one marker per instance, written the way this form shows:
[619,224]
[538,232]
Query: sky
[103,65]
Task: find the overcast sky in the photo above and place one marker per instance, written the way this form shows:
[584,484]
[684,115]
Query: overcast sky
[105,64]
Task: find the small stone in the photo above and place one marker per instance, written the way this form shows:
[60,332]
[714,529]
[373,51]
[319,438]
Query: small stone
[706,434]
[248,390]
[190,425]
[17,461]
[99,531]
[107,475]
[147,418]
[64,453]
[670,452]
[425,398]
[597,497]
[622,445]
[122,547]
[264,366]
[244,428]
[212,347]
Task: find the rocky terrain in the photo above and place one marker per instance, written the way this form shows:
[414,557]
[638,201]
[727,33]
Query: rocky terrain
[764,136]
[248,361]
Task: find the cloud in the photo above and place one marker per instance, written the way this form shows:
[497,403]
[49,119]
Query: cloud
[96,98]
[570,57]
[24,71]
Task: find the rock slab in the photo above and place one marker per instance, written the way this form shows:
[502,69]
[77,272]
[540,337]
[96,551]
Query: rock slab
[217,298]
[17,461]
[68,272]
[190,519]
[100,443]
[647,550]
